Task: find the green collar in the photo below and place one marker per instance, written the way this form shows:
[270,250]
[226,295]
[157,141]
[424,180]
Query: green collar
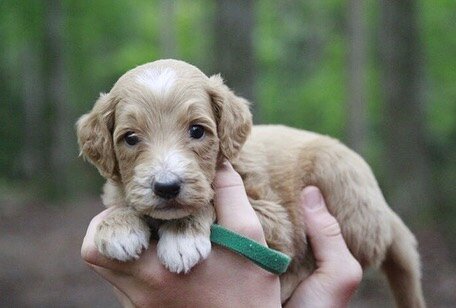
[269,259]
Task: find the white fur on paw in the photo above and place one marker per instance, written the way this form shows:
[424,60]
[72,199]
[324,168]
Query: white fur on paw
[180,252]
[120,242]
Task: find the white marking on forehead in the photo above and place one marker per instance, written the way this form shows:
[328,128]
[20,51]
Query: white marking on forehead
[159,81]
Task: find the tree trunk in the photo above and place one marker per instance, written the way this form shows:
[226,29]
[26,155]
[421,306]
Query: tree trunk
[356,105]
[32,97]
[406,159]
[234,22]
[60,125]
[168,29]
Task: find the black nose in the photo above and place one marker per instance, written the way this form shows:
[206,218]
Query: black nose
[167,190]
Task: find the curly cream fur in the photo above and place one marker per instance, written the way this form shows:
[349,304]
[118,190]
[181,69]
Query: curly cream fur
[160,100]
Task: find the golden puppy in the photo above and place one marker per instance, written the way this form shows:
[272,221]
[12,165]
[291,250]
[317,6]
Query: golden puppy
[157,138]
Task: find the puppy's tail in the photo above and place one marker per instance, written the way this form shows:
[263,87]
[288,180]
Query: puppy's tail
[402,267]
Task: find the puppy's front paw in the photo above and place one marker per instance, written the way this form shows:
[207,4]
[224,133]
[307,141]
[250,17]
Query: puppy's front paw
[179,252]
[122,241]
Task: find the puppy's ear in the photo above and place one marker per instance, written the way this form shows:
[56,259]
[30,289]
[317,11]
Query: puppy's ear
[94,131]
[234,120]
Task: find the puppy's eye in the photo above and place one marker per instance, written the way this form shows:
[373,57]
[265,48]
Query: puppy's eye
[131,138]
[196,131]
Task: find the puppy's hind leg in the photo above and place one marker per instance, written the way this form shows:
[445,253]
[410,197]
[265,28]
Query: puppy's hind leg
[277,227]
[373,233]
[402,267]
[280,233]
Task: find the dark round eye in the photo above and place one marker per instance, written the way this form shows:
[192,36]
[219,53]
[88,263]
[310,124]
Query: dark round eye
[196,131]
[131,138]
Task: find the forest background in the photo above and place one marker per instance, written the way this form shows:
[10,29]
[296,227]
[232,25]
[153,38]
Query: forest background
[379,75]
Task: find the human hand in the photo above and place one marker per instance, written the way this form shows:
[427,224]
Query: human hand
[338,274]
[224,279]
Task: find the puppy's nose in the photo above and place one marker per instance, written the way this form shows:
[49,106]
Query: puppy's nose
[167,190]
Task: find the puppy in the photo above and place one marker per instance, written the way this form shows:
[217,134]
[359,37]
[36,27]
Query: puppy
[157,138]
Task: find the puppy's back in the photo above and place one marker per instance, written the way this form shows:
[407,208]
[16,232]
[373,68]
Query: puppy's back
[279,161]
[291,159]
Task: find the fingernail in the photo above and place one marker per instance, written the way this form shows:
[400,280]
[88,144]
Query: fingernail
[312,198]
[225,165]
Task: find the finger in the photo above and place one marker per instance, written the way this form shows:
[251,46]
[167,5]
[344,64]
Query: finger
[148,267]
[322,228]
[232,204]
[338,274]
[89,251]
[123,298]
[88,248]
[123,285]
[117,279]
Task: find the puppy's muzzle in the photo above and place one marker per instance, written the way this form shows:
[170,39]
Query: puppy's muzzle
[167,190]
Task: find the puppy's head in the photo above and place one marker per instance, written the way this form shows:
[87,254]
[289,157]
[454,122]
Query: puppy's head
[159,133]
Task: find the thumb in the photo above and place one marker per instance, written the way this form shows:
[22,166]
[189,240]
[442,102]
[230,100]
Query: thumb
[232,205]
[322,228]
[338,274]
